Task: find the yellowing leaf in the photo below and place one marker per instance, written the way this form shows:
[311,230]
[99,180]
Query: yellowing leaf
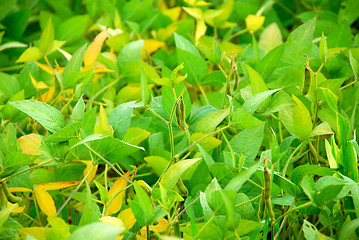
[208,143]
[160,227]
[135,136]
[127,217]
[46,97]
[197,13]
[92,174]
[150,46]
[104,127]
[38,233]
[201,29]
[17,209]
[56,185]
[117,192]
[270,37]
[30,54]
[94,49]
[113,221]
[44,67]
[45,202]
[254,22]
[38,85]
[30,144]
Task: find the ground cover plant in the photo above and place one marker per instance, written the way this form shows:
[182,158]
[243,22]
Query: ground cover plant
[165,119]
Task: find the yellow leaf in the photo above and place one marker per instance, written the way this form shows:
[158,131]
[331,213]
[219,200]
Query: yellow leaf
[201,29]
[150,46]
[164,34]
[67,55]
[30,144]
[173,13]
[45,201]
[45,67]
[117,192]
[94,49]
[161,226]
[56,185]
[101,70]
[92,174]
[46,97]
[254,22]
[38,85]
[103,127]
[127,217]
[17,209]
[197,13]
[113,221]
[19,189]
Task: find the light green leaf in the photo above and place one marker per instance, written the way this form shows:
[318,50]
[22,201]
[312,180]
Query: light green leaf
[48,116]
[323,49]
[242,119]
[131,52]
[237,182]
[145,93]
[142,206]
[321,129]
[120,119]
[271,37]
[97,230]
[47,37]
[211,121]
[73,67]
[311,232]
[297,120]
[171,176]
[253,103]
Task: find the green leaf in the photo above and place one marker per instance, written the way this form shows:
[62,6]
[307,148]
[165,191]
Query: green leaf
[30,54]
[145,93]
[171,176]
[271,37]
[237,182]
[354,64]
[206,156]
[248,143]
[9,85]
[270,61]
[78,111]
[348,230]
[300,171]
[65,134]
[5,213]
[97,230]
[72,29]
[209,123]
[60,230]
[340,36]
[73,67]
[47,37]
[246,226]
[157,163]
[242,119]
[48,116]
[253,103]
[120,119]
[297,120]
[311,232]
[194,65]
[91,212]
[142,206]
[299,43]
[15,160]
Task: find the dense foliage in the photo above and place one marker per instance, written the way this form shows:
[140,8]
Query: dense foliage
[171,119]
